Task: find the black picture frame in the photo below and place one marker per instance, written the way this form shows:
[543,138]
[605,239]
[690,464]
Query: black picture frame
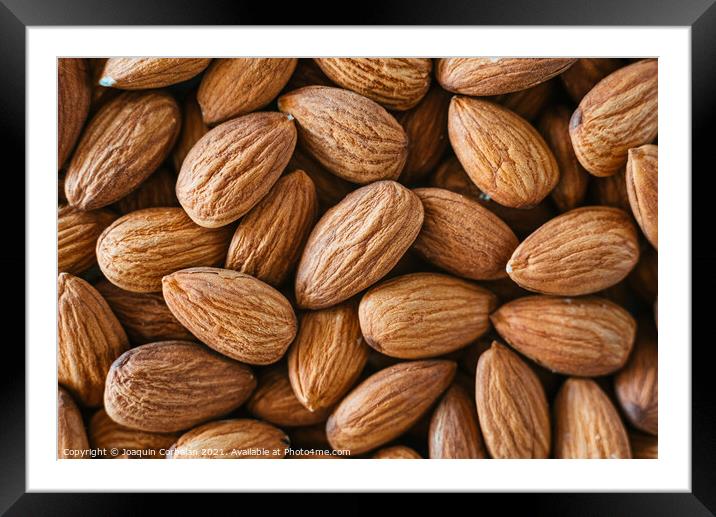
[700,15]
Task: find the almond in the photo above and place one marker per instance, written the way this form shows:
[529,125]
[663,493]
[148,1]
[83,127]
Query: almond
[585,73]
[73,102]
[122,145]
[527,103]
[396,84]
[105,433]
[501,152]
[89,339]
[387,404]
[170,386]
[233,313]
[77,234]
[580,252]
[586,336]
[71,434]
[619,113]
[642,181]
[352,136]
[454,428]
[234,87]
[192,129]
[482,76]
[462,237]
[327,356]
[156,191]
[233,166]
[270,238]
[644,446]
[586,423]
[231,439]
[356,243]
[413,316]
[150,72]
[138,249]
[397,452]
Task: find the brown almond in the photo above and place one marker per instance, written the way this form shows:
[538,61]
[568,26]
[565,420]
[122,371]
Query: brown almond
[330,188]
[586,423]
[233,313]
[581,77]
[71,434]
[237,86]
[387,404]
[642,181]
[397,452]
[138,249]
[395,83]
[481,76]
[142,73]
[352,136]
[527,103]
[269,239]
[356,243]
[644,446]
[414,316]
[158,190]
[77,234]
[586,336]
[501,152]
[122,145]
[327,356]
[73,102]
[170,386]
[462,237]
[232,167]
[105,433]
[511,406]
[454,428]
[619,113]
[192,129]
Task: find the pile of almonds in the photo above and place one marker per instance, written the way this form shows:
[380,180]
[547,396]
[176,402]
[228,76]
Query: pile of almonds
[366,258]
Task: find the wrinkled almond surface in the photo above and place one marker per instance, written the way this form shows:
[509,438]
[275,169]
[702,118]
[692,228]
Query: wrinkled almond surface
[454,429]
[642,181]
[73,102]
[105,433]
[71,434]
[77,233]
[141,73]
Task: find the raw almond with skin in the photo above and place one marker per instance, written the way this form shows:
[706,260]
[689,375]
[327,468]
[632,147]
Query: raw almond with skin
[501,152]
[454,428]
[233,313]
[150,72]
[71,434]
[462,237]
[511,406]
[387,404]
[231,439]
[356,243]
[352,136]
[585,73]
[413,316]
[327,356]
[642,181]
[482,76]
[269,240]
[192,129]
[619,113]
[586,336]
[77,234]
[105,433]
[73,102]
[156,191]
[232,167]
[138,249]
[397,452]
[579,252]
[89,339]
[170,386]
[586,423]
[234,87]
[395,83]
[122,145]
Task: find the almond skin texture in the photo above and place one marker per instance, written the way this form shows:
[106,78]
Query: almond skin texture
[586,336]
[327,356]
[586,423]
[580,252]
[234,87]
[231,439]
[156,191]
[454,428]
[352,136]
[619,113]
[413,316]
[149,72]
[122,145]
[585,73]
[387,404]
[105,433]
[269,240]
[395,83]
[493,76]
[77,234]
[233,313]
[233,166]
[73,102]
[511,406]
[397,452]
[192,129]
[89,339]
[71,434]
[170,386]
[356,243]
[462,237]
[642,181]
[138,249]
[501,152]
